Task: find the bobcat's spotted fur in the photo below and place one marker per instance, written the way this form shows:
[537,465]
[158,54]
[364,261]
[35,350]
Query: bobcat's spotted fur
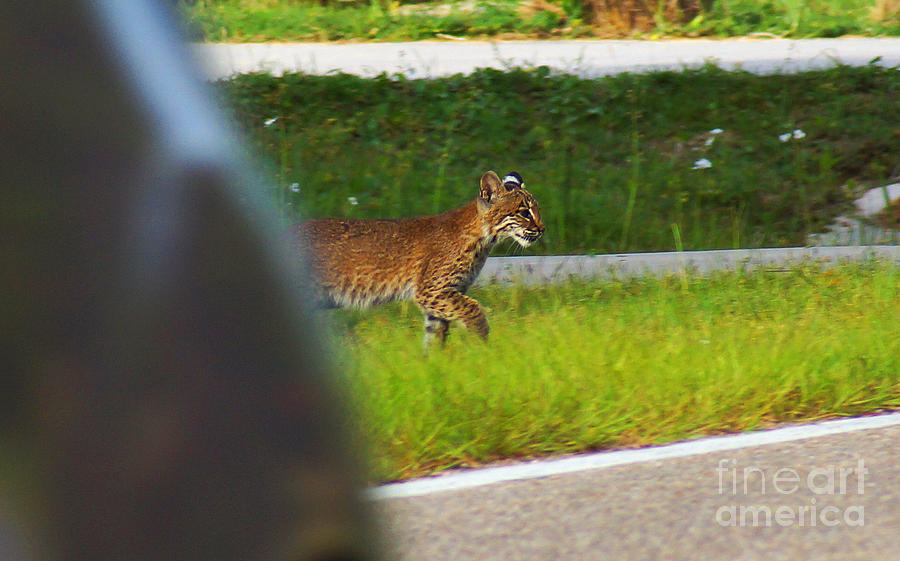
[429,259]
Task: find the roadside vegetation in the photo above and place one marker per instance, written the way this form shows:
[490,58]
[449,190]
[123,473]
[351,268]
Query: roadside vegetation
[387,20]
[702,159]
[622,363]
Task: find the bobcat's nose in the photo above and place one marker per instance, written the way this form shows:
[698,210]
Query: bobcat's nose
[533,235]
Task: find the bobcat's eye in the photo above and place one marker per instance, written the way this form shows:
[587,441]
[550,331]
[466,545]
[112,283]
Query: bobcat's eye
[524,213]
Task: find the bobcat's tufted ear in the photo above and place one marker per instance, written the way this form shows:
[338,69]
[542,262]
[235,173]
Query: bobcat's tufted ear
[513,181]
[491,187]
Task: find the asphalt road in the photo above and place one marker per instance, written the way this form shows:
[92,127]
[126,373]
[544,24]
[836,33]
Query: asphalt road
[835,497]
[585,58]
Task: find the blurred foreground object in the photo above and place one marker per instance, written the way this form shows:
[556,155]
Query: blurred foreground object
[163,395]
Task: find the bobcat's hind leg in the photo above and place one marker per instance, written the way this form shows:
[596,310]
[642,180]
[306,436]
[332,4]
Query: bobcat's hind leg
[435,329]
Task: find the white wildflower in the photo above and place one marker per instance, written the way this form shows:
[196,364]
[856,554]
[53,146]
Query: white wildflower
[709,141]
[784,137]
[352,200]
[798,134]
[702,163]
[295,187]
[270,122]
[716,131]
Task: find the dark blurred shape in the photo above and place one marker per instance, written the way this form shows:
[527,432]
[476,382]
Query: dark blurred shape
[163,394]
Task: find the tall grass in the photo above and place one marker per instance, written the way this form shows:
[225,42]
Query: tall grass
[612,161]
[238,21]
[588,366]
[800,18]
[330,20]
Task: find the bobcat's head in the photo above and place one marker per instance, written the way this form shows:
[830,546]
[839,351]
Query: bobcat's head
[509,211]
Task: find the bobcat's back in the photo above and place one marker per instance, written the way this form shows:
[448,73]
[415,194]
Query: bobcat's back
[361,263]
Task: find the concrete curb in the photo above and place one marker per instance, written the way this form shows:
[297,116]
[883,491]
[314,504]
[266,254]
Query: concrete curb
[588,59]
[555,268]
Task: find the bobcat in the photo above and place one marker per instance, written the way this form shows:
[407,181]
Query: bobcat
[429,259]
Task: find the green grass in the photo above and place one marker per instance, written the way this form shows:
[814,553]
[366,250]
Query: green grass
[609,364]
[290,20]
[236,21]
[610,160]
[795,18]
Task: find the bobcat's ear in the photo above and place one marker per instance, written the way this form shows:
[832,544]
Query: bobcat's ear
[491,187]
[513,181]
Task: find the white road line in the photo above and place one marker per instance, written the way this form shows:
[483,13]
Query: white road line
[545,468]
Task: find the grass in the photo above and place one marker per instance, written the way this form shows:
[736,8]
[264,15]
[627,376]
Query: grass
[799,18]
[236,21]
[589,366]
[290,20]
[611,160]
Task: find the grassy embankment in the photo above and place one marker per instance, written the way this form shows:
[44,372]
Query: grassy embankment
[617,163]
[380,20]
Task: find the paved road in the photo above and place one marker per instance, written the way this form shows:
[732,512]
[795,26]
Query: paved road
[586,58]
[835,498]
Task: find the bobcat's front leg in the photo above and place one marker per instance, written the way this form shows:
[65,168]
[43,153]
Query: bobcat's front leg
[449,305]
[435,328]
